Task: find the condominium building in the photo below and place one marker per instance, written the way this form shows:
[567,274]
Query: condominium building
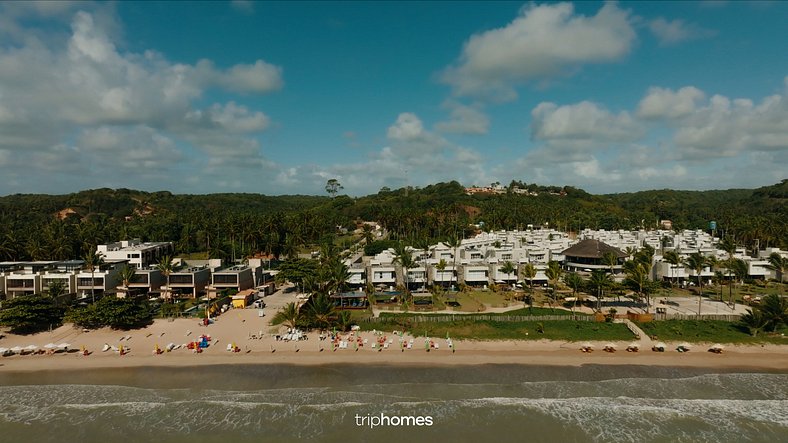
[138,254]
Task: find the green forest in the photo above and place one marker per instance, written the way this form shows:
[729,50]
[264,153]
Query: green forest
[56,227]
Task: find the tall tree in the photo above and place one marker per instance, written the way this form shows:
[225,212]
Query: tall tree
[333,187]
[574,281]
[553,274]
[779,264]
[289,315]
[599,281]
[126,276]
[93,259]
[672,258]
[165,267]
[455,242]
[697,262]
[508,268]
[529,272]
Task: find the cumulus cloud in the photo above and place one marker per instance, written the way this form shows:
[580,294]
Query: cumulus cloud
[662,103]
[414,156]
[544,41]
[676,31]
[134,109]
[464,119]
[582,121]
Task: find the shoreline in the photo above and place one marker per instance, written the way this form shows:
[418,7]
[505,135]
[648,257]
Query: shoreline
[257,345]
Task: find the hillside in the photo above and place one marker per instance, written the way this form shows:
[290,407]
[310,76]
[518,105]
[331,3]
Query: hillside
[233,225]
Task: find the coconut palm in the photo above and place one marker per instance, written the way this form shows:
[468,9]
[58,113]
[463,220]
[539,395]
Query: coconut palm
[126,276]
[774,309]
[697,262]
[289,315]
[672,258]
[321,311]
[611,260]
[574,281]
[529,272]
[440,267]
[508,268]
[599,280]
[455,242]
[165,267]
[93,260]
[740,271]
[779,264]
[637,280]
[553,274]
[404,258]
[754,320]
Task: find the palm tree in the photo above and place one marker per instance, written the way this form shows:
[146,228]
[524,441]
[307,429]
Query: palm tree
[637,279]
[574,281]
[754,320]
[404,258]
[553,274]
[529,272]
[729,246]
[739,269]
[774,309]
[778,264]
[610,259]
[599,281]
[126,276]
[290,315]
[455,242]
[697,261]
[321,311]
[165,267]
[93,260]
[672,258]
[440,267]
[508,268]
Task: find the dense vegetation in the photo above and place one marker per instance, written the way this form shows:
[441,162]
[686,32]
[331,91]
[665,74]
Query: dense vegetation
[232,226]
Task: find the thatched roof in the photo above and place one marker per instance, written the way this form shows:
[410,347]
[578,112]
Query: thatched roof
[591,248]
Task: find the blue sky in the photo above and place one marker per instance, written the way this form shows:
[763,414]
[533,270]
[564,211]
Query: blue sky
[277,98]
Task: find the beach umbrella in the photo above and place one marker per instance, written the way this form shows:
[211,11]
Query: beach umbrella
[610,346]
[16,349]
[684,345]
[50,346]
[587,345]
[4,351]
[634,345]
[64,346]
[31,348]
[660,346]
[717,346]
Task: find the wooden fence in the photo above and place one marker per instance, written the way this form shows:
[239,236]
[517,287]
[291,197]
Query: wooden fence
[476,317]
[722,317]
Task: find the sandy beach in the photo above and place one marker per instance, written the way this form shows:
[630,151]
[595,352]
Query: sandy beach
[257,344]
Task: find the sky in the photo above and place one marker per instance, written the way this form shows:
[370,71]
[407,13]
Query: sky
[280,97]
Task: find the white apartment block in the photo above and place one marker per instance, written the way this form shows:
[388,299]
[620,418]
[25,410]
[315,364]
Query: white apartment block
[138,254]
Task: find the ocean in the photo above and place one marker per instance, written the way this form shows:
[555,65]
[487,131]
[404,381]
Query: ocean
[344,403]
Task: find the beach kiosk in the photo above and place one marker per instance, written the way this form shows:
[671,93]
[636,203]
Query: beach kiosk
[242,299]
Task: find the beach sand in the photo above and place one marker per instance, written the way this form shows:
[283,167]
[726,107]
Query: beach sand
[239,326]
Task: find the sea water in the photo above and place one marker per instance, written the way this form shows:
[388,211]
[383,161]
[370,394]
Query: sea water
[499,403]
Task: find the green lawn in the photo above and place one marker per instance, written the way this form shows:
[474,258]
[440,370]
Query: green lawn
[707,331]
[492,330]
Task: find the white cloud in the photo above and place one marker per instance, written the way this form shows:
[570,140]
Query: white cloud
[464,119]
[666,103]
[676,31]
[127,109]
[584,121]
[544,41]
[245,6]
